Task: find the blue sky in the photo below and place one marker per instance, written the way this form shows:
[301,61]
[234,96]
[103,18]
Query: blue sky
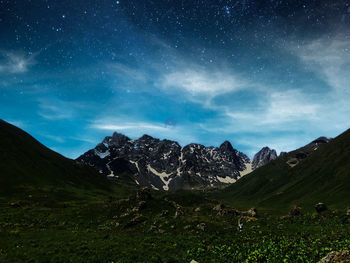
[254,73]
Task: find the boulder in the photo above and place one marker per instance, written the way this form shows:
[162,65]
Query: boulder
[202,226]
[225,210]
[334,257]
[252,212]
[135,209]
[295,211]
[218,207]
[15,204]
[164,213]
[153,228]
[228,211]
[179,211]
[320,207]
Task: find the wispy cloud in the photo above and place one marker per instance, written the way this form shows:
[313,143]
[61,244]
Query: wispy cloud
[202,82]
[330,58]
[16,62]
[124,71]
[54,112]
[130,126]
[56,109]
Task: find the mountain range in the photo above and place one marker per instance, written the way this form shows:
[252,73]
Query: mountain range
[319,171]
[164,164]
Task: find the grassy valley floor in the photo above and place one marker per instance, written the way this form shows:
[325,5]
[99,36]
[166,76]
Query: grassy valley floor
[54,227]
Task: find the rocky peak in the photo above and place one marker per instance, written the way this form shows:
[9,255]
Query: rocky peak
[226,147]
[264,156]
[146,138]
[117,139]
[321,140]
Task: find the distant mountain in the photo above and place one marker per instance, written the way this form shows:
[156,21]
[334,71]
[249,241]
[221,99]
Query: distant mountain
[321,173]
[164,164]
[264,156]
[26,163]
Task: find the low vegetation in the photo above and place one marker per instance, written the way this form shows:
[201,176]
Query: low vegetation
[162,227]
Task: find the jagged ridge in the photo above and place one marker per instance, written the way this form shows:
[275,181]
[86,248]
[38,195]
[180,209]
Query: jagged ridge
[164,164]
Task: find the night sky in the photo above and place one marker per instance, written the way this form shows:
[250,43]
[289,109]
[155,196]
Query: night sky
[256,73]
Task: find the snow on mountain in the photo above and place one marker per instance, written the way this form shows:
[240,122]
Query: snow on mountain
[165,165]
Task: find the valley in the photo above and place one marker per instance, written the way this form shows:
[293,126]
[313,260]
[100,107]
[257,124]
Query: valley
[53,209]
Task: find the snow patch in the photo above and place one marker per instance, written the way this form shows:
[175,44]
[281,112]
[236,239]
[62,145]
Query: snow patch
[102,155]
[154,188]
[226,180]
[247,170]
[163,176]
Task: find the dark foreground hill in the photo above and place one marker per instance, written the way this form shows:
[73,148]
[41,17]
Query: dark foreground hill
[322,176]
[27,164]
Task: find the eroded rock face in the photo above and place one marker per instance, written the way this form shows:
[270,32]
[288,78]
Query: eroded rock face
[336,257]
[264,156]
[164,164]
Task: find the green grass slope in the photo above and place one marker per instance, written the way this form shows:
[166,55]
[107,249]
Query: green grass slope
[27,164]
[324,176]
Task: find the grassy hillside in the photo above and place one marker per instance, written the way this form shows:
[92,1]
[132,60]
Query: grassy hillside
[324,176]
[26,164]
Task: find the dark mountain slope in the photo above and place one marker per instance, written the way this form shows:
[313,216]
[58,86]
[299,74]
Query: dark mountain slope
[322,176]
[25,162]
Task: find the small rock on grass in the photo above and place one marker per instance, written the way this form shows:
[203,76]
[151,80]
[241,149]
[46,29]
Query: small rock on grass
[202,226]
[320,207]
